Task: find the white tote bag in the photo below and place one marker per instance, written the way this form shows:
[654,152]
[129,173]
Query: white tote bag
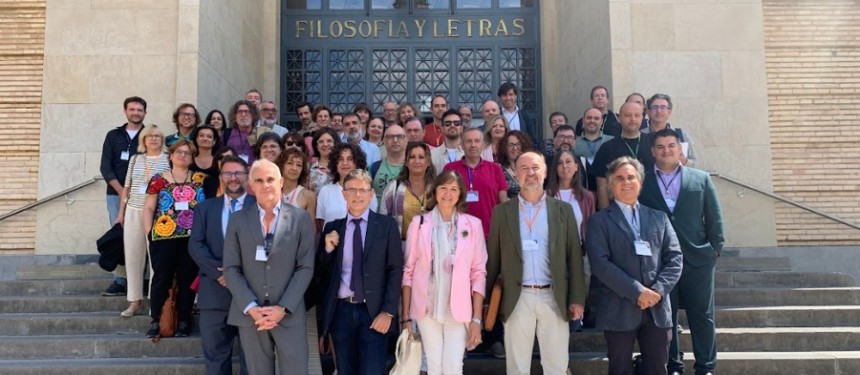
[408,355]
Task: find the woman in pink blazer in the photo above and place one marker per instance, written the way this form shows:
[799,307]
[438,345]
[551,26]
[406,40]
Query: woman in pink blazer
[445,276]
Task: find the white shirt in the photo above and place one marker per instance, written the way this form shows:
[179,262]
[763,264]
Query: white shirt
[513,118]
[331,204]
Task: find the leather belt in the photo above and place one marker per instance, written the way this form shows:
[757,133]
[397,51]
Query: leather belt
[352,300]
[537,286]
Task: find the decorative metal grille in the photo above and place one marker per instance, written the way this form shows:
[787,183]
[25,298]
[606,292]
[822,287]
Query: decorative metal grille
[303,75]
[390,81]
[519,65]
[346,79]
[432,75]
[474,76]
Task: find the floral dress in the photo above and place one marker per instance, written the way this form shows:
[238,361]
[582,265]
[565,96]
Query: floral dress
[174,211]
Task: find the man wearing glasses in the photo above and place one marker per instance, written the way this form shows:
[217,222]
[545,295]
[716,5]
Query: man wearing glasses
[268,265]
[206,247]
[389,114]
[269,117]
[360,261]
[659,111]
[451,150]
[387,169]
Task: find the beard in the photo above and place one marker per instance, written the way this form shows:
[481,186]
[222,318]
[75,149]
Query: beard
[268,122]
[354,136]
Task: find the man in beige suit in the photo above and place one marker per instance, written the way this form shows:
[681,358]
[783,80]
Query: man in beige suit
[532,247]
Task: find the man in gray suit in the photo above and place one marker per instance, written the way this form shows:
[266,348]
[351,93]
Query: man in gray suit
[268,265]
[636,259]
[206,247]
[688,196]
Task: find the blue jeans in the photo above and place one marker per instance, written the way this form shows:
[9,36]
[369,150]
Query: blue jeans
[358,349]
[113,212]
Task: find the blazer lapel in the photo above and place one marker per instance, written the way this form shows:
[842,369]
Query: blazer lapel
[685,186]
[553,214]
[654,188]
[619,219]
[256,227]
[283,230]
[372,229]
[513,220]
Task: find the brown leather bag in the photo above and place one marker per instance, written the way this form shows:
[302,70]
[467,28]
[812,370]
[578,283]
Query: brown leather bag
[493,307]
[168,321]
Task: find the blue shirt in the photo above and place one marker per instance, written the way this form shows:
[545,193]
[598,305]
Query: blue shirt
[536,269]
[225,214]
[344,290]
[631,214]
[670,185]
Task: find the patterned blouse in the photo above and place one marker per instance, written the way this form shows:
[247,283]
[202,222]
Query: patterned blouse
[173,212]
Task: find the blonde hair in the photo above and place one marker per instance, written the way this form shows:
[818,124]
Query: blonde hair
[148,130]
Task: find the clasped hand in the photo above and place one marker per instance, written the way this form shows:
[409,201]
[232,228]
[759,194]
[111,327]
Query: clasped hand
[267,317]
[648,298]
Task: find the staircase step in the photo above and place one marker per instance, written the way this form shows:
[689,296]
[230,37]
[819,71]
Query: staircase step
[774,339]
[110,366]
[61,304]
[97,346]
[787,296]
[754,264]
[72,324]
[53,287]
[70,271]
[785,316]
[782,280]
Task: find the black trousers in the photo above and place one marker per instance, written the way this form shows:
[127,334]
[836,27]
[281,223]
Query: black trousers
[170,259]
[653,343]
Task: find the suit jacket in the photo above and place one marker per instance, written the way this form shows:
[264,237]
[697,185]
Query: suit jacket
[697,219]
[383,267]
[622,275]
[529,127]
[470,265]
[286,274]
[206,247]
[505,255]
[439,157]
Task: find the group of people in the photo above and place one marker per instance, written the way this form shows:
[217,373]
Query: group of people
[387,224]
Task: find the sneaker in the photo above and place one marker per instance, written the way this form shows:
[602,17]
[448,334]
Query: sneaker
[154,328]
[183,329]
[114,290]
[497,350]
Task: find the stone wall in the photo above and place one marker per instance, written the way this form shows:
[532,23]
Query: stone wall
[813,74]
[709,56]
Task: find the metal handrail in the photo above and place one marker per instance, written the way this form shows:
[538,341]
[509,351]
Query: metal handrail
[49,198]
[787,201]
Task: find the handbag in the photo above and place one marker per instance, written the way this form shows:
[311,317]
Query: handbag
[493,307]
[168,321]
[408,354]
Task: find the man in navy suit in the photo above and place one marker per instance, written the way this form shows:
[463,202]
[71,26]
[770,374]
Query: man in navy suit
[206,247]
[361,261]
[635,256]
[517,119]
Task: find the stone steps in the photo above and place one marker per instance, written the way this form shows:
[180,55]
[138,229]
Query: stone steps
[782,280]
[787,296]
[61,304]
[735,264]
[128,345]
[112,366]
[785,316]
[64,272]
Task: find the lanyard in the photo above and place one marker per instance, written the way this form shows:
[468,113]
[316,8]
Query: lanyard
[469,169]
[511,119]
[570,199]
[638,142]
[672,180]
[531,222]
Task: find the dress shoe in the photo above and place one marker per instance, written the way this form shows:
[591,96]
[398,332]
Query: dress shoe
[676,373]
[154,328]
[133,308]
[497,350]
[183,329]
[114,290]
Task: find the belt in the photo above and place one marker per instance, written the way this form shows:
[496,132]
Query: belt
[537,286]
[352,300]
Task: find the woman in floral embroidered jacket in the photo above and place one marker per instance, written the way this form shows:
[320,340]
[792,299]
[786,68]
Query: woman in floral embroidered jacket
[171,197]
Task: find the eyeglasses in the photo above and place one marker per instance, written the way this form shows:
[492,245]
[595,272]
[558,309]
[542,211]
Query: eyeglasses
[389,110]
[660,108]
[243,112]
[185,114]
[290,143]
[357,191]
[451,123]
[234,174]
[396,137]
[182,153]
[514,145]
[567,137]
[267,110]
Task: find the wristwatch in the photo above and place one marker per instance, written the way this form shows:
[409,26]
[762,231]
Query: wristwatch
[476,321]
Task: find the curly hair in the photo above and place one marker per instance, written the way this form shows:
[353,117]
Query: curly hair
[358,158]
[525,146]
[334,136]
[293,153]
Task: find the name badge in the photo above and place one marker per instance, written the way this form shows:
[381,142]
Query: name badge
[642,248]
[181,206]
[530,245]
[124,155]
[471,196]
[244,157]
[142,189]
[261,254]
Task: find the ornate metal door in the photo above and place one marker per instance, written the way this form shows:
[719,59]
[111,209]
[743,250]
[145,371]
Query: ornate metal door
[342,52]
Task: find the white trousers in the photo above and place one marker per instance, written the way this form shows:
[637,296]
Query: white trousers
[136,250]
[444,344]
[536,313]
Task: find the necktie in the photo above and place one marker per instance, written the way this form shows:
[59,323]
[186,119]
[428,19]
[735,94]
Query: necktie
[356,282]
[233,203]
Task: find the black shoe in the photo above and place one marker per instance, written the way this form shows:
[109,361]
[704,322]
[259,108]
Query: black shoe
[114,290]
[183,329]
[153,330]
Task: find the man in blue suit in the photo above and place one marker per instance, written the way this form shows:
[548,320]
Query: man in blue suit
[636,259]
[688,196]
[360,261]
[206,247]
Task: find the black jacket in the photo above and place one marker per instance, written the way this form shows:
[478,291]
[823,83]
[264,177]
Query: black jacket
[112,166]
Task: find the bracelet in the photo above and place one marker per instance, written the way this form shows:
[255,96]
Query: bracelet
[405,321]
[476,321]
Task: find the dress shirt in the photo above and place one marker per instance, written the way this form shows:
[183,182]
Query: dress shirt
[344,290]
[536,269]
[225,214]
[631,214]
[670,185]
[274,224]
[513,118]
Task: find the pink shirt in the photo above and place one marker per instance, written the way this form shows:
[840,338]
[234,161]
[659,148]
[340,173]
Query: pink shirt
[487,179]
[470,265]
